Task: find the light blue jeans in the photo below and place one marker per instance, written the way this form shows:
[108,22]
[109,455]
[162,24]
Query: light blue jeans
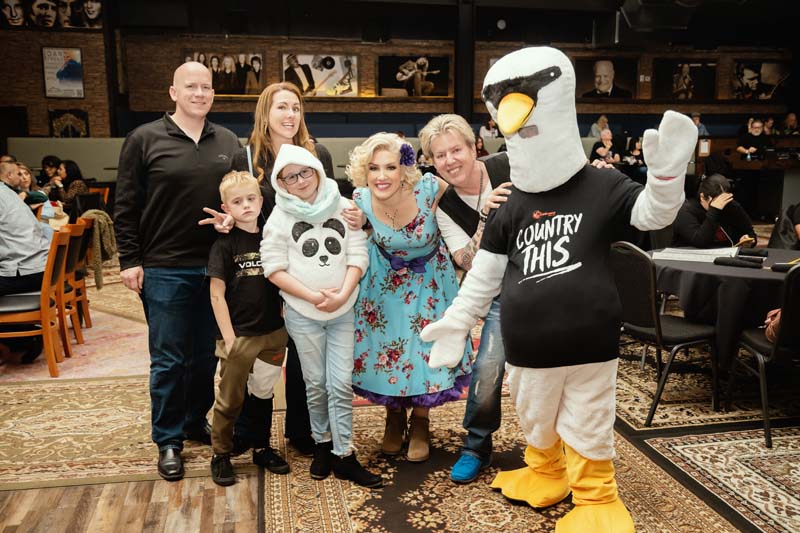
[482,416]
[326,358]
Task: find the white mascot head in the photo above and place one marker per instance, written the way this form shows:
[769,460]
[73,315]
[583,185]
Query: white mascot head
[531,95]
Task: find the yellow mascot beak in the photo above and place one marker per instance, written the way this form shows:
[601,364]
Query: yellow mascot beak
[513,112]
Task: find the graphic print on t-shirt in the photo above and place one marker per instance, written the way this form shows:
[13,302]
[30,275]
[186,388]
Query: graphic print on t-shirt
[544,245]
[248,264]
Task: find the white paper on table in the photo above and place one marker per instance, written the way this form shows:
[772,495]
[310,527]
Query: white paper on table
[697,255]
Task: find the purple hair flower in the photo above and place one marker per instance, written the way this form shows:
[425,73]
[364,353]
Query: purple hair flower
[407,157]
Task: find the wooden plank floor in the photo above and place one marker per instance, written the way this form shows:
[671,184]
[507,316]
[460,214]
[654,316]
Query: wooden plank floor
[194,504]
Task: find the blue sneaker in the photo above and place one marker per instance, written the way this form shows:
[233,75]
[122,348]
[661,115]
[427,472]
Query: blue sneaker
[468,467]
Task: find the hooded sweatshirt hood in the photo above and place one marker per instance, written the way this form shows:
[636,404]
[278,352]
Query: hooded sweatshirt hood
[328,195]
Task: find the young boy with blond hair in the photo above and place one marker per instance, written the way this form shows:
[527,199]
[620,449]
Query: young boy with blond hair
[251,341]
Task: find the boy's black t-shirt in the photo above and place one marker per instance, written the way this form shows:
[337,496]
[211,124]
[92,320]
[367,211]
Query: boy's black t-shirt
[560,303]
[253,302]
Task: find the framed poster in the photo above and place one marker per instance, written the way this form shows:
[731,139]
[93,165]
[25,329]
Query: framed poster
[322,75]
[753,80]
[606,77]
[63,72]
[231,73]
[413,75]
[684,79]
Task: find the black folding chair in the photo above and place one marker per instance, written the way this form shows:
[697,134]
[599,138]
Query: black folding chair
[785,349]
[85,202]
[635,276]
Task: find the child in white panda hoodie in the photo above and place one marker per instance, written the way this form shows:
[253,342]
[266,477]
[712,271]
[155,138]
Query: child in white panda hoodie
[316,261]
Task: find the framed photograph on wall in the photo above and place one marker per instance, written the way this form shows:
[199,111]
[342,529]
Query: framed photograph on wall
[414,75]
[52,14]
[684,79]
[231,72]
[757,80]
[63,72]
[606,78]
[321,74]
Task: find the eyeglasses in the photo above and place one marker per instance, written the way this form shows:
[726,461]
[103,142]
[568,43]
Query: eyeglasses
[291,179]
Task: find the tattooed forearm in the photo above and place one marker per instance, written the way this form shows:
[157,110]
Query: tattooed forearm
[465,255]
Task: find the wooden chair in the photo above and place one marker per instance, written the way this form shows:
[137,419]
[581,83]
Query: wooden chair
[69,301]
[101,190]
[785,349]
[635,277]
[38,211]
[78,279]
[41,308]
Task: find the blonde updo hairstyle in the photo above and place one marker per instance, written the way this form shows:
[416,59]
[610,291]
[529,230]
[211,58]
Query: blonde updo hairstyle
[362,154]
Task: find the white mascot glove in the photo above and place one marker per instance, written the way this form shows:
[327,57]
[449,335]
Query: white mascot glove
[449,337]
[668,150]
[667,153]
[449,334]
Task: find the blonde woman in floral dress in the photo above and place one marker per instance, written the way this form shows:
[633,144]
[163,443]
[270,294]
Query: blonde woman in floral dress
[409,283]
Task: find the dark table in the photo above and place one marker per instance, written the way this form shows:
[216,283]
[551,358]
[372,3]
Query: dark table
[729,298]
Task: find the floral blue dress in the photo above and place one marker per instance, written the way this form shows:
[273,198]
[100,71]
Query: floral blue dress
[398,297]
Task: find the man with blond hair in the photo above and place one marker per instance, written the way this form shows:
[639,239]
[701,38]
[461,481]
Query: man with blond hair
[169,170]
[476,187]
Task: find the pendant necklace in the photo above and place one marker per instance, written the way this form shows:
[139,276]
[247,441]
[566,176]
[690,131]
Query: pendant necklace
[392,217]
[480,192]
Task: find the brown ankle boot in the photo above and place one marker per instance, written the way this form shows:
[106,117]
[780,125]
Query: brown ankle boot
[395,432]
[419,436]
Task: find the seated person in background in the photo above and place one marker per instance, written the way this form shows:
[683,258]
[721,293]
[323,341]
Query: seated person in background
[600,125]
[22,240]
[604,148]
[790,125]
[33,196]
[68,183]
[713,219]
[50,164]
[489,130]
[636,167]
[755,142]
[480,148]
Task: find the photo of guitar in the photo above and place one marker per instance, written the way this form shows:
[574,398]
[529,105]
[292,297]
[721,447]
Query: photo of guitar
[322,75]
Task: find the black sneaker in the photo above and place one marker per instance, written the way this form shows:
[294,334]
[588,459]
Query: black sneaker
[321,465]
[269,459]
[222,470]
[349,468]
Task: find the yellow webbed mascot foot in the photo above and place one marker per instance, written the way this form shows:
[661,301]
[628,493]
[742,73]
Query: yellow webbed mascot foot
[542,483]
[545,252]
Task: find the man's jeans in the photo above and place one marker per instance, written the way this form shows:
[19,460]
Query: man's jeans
[326,357]
[182,363]
[482,417]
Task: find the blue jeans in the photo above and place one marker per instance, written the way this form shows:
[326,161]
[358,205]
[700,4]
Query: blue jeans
[482,416]
[182,363]
[326,357]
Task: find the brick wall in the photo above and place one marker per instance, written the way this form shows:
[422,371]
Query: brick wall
[23,83]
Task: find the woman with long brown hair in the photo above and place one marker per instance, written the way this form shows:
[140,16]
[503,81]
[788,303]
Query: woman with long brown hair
[278,119]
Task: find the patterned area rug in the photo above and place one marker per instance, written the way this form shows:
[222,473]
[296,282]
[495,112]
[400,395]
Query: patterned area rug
[116,299]
[761,484]
[686,400]
[421,497]
[79,432]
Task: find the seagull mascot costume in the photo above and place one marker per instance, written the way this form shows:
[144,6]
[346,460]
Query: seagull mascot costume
[546,252]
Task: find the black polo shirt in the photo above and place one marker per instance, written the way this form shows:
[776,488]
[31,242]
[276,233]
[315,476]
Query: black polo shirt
[163,182]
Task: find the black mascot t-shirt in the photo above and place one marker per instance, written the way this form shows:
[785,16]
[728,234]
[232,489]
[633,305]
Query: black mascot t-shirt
[253,301]
[559,301]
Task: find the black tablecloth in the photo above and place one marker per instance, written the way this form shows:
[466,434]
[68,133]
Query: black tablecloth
[727,297]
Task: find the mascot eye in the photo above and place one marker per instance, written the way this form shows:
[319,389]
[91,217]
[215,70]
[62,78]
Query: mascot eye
[310,248]
[333,246]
